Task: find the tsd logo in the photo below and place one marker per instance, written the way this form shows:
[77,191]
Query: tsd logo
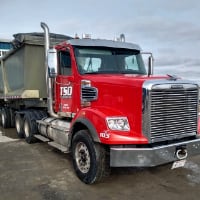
[66,91]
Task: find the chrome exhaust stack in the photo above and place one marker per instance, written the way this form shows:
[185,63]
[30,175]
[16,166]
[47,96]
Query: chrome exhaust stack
[48,79]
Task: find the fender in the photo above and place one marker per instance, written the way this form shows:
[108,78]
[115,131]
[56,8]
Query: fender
[92,119]
[86,123]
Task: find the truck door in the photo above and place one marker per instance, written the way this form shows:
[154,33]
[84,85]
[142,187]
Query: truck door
[64,85]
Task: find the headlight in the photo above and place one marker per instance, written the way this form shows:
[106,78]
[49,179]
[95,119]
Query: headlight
[118,123]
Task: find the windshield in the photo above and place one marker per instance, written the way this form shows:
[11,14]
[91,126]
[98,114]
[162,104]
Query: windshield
[100,60]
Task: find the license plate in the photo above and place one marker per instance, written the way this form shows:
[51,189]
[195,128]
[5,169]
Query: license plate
[178,163]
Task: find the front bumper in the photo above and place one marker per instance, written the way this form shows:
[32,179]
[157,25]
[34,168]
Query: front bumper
[149,157]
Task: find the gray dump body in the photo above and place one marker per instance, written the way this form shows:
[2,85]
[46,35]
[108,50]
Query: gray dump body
[22,73]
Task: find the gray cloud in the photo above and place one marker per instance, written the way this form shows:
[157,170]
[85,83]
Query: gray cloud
[170,29]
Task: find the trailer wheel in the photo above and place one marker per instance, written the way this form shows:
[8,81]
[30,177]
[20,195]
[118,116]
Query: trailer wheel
[30,127]
[89,159]
[5,118]
[19,125]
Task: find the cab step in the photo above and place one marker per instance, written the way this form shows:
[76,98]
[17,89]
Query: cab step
[59,146]
[42,138]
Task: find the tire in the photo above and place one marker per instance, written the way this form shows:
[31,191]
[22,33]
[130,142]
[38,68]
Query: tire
[89,159]
[30,127]
[39,114]
[19,125]
[12,118]
[5,117]
[0,116]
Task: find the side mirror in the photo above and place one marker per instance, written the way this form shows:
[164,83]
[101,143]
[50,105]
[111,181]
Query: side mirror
[52,62]
[150,62]
[150,65]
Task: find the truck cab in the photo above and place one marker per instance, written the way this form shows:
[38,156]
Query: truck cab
[82,66]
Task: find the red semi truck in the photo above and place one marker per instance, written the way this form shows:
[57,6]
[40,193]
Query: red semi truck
[94,98]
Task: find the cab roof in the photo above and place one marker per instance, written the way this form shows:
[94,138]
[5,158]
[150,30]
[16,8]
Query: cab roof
[103,43]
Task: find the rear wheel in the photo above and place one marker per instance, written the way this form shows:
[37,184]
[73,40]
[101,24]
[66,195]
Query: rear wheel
[89,159]
[19,125]
[12,118]
[30,127]
[5,117]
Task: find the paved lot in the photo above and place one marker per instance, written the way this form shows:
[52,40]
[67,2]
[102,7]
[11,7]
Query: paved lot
[39,172]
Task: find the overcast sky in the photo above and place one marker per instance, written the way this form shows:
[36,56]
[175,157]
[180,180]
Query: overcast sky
[169,29]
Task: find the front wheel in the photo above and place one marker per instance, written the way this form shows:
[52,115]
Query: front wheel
[89,159]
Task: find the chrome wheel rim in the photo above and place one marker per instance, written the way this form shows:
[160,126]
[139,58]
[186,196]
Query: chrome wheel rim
[26,129]
[17,125]
[3,120]
[82,156]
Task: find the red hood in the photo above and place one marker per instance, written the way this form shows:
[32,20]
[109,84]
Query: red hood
[121,95]
[122,79]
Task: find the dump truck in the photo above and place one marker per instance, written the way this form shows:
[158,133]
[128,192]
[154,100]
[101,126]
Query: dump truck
[95,99]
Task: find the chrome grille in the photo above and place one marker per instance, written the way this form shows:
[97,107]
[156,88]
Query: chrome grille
[173,113]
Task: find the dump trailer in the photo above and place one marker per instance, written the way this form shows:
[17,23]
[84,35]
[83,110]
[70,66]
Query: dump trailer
[22,75]
[94,99]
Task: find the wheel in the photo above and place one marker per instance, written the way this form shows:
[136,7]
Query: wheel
[19,124]
[12,118]
[39,114]
[5,117]
[0,116]
[89,159]
[30,127]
